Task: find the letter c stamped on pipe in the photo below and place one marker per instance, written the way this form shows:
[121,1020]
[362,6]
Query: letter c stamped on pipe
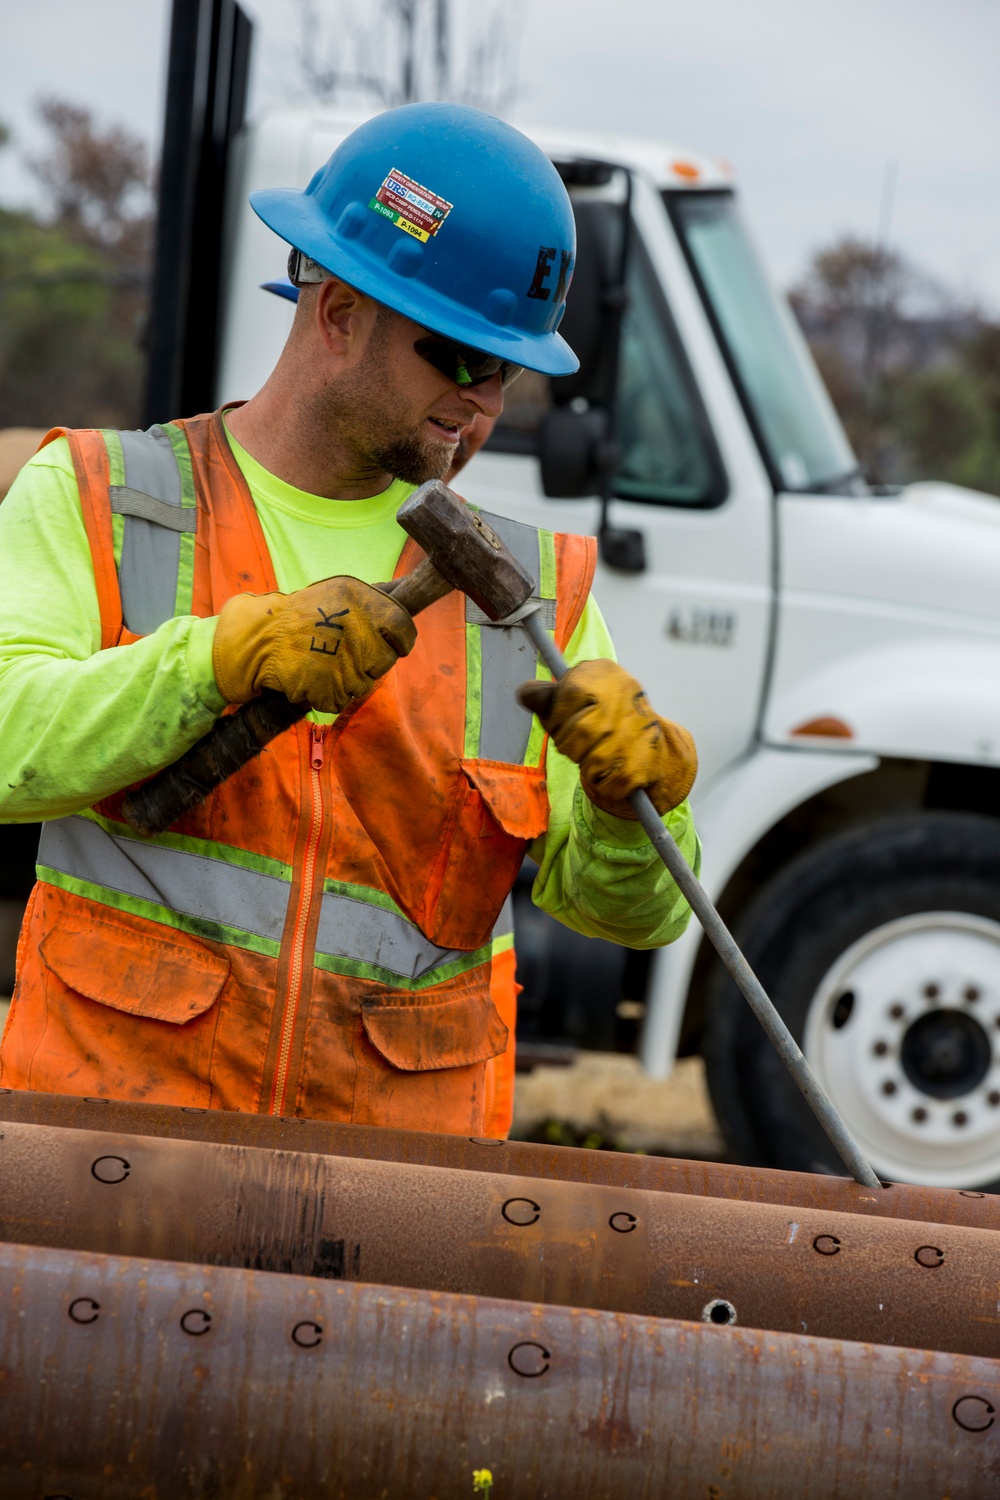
[622,1222]
[973,1413]
[307,1335]
[521,1211]
[827,1244]
[110,1169]
[196,1322]
[84,1310]
[529,1359]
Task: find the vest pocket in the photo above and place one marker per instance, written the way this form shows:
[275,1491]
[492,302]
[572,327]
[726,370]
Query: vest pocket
[420,1059]
[502,808]
[159,977]
[441,1027]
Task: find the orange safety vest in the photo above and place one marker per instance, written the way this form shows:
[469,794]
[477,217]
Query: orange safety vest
[328,934]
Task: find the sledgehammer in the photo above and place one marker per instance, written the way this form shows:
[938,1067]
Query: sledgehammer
[467,555]
[433,516]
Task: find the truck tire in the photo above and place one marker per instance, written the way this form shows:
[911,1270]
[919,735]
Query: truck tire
[881,949]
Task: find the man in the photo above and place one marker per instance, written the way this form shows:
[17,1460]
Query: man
[324,935]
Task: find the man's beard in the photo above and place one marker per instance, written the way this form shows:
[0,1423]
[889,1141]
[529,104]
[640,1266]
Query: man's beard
[375,428]
[414,462]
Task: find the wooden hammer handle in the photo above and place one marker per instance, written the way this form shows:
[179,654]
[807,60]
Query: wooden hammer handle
[237,738]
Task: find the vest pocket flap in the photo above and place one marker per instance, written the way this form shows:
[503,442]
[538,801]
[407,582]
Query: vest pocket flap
[515,795]
[430,1030]
[158,977]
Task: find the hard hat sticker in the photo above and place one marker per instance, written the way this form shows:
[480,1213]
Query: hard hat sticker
[412,208]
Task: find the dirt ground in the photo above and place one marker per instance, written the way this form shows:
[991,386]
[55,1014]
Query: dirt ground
[606,1095]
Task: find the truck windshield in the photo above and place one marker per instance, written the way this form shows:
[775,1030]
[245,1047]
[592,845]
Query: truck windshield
[804,444]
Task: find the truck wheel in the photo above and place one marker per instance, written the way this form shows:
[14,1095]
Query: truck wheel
[881,949]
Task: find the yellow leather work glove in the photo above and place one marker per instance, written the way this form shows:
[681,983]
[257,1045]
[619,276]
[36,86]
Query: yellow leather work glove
[325,645]
[598,717]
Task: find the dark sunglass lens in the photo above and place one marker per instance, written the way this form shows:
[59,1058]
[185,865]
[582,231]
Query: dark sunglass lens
[464,366]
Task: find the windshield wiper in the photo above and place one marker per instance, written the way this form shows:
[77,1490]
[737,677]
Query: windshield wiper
[836,486]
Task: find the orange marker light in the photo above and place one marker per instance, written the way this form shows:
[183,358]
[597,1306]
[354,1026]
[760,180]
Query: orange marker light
[826,727]
[686,169]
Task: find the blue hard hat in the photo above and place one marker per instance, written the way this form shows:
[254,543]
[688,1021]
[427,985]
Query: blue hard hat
[450,217]
[281,289]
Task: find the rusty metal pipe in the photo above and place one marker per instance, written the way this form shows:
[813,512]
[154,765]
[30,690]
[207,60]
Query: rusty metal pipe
[125,1377]
[521,1158]
[666,1255]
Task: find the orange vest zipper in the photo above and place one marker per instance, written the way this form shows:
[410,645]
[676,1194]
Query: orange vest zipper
[317,739]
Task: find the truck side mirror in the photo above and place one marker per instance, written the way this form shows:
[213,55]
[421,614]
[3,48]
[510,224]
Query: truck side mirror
[577,458]
[575,451]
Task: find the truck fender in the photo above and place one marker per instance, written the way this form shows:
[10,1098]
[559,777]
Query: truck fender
[732,813]
[924,699]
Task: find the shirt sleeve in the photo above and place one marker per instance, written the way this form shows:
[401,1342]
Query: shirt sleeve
[599,874]
[78,723]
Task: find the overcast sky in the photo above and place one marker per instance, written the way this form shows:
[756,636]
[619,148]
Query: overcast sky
[810,100]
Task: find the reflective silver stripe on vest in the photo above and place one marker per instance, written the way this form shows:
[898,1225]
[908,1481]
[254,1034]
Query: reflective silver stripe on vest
[193,885]
[151,547]
[508,657]
[351,928]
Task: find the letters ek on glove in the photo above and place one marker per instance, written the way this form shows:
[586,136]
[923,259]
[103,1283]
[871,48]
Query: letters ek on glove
[325,645]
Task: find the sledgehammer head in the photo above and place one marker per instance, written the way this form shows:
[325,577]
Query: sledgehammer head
[465,550]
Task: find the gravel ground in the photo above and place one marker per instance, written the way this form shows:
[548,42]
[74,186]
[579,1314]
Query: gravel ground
[609,1095]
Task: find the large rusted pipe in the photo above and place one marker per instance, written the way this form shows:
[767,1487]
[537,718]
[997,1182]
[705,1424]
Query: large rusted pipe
[521,1158]
[573,1244]
[125,1377]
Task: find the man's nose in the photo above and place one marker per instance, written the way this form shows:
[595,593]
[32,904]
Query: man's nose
[486,395]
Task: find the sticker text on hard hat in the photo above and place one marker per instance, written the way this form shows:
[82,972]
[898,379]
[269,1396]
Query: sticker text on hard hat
[412,208]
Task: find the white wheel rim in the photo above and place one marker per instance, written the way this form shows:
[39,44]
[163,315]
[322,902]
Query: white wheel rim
[931,963]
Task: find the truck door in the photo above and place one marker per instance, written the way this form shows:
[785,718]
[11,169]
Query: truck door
[689,596]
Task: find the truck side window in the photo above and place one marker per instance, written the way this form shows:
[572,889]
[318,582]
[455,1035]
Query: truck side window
[669,455]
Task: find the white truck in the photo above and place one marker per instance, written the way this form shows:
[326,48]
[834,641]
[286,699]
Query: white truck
[834,649]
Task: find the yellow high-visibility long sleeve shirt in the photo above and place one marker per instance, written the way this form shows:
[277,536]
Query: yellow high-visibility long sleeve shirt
[78,723]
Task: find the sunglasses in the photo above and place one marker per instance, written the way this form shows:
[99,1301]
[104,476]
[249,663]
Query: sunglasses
[463,365]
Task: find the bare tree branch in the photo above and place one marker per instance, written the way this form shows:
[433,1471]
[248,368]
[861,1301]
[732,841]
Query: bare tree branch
[408,52]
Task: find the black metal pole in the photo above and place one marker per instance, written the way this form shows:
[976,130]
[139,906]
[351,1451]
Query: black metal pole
[206,102]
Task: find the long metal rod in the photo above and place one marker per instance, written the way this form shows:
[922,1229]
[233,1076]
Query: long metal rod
[134,1377]
[571,1244]
[658,1174]
[725,945]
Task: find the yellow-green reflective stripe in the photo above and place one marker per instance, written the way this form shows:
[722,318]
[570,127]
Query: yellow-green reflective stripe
[473,690]
[365,893]
[193,886]
[214,932]
[501,944]
[547,564]
[184,601]
[354,969]
[117,536]
[228,853]
[116,458]
[182,453]
[184,597]
[116,476]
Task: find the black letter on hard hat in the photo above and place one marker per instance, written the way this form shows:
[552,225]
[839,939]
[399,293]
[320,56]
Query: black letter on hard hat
[565,272]
[543,267]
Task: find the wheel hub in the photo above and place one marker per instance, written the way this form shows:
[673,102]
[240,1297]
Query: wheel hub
[904,1033]
[946,1053]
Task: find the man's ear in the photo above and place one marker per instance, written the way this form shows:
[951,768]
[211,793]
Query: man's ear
[344,317]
